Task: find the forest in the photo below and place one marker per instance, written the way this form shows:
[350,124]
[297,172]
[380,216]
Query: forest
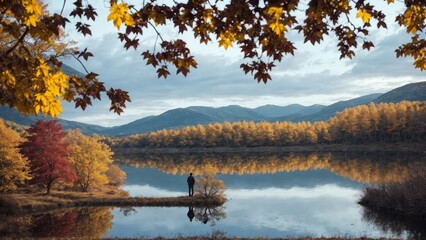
[364,124]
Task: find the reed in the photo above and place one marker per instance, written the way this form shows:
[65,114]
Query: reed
[406,198]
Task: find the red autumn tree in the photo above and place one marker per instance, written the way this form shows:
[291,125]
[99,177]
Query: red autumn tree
[47,150]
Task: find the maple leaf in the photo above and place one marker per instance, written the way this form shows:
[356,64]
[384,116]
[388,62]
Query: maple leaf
[278,28]
[364,15]
[119,14]
[275,12]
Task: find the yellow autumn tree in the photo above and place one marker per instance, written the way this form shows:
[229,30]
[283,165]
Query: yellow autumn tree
[14,168]
[208,185]
[116,176]
[90,158]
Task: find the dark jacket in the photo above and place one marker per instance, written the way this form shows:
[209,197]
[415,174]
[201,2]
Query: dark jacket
[190,180]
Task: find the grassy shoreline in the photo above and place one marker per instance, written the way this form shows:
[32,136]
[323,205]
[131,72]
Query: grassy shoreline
[26,203]
[406,199]
[379,147]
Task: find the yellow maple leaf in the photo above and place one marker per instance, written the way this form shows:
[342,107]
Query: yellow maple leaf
[275,11]
[7,77]
[225,43]
[31,21]
[128,20]
[364,15]
[278,28]
[119,14]
[43,69]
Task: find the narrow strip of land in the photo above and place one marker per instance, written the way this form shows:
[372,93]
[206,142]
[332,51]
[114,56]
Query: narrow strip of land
[378,147]
[22,203]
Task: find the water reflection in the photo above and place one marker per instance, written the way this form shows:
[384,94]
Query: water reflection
[209,214]
[270,194]
[399,225]
[379,167]
[73,223]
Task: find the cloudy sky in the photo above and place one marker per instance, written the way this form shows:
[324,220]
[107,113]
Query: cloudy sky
[315,75]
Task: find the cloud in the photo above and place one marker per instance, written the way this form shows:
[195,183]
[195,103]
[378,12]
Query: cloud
[314,75]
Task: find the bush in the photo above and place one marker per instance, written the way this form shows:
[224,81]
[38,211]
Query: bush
[209,186]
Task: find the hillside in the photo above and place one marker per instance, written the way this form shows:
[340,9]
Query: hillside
[180,117]
[11,114]
[331,110]
[306,111]
[325,113]
[273,111]
[409,92]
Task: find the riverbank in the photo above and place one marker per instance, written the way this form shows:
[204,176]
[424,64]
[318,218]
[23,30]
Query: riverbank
[25,203]
[379,147]
[406,198]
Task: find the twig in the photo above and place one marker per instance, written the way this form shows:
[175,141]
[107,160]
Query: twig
[63,6]
[16,44]
[76,58]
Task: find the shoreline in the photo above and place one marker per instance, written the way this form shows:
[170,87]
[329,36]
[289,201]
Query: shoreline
[382,147]
[31,203]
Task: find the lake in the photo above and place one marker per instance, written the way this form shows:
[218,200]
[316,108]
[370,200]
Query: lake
[269,195]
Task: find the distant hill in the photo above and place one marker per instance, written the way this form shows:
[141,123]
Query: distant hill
[71,71]
[11,114]
[306,111]
[409,92]
[180,117]
[273,111]
[331,110]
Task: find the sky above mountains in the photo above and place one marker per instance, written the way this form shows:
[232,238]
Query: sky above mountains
[315,75]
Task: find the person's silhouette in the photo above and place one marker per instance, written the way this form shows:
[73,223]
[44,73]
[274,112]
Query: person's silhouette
[191,182]
[205,217]
[190,214]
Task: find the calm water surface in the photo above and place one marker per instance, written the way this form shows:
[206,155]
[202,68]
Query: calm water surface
[309,203]
[269,195]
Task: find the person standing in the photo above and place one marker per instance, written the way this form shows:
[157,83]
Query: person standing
[191,182]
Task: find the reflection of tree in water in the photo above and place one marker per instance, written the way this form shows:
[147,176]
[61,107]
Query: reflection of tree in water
[54,225]
[396,224]
[209,214]
[74,223]
[363,167]
[15,227]
[93,222]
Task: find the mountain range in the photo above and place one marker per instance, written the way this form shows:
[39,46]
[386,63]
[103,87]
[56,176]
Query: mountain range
[194,115]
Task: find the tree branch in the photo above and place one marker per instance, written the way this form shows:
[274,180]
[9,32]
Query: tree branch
[76,58]
[27,30]
[63,6]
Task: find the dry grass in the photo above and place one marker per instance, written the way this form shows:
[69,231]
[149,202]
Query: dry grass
[19,203]
[236,238]
[407,198]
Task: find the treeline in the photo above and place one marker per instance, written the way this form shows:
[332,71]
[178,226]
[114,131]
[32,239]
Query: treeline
[384,122]
[49,156]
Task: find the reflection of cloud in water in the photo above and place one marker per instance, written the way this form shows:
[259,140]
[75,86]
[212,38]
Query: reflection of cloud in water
[326,210]
[149,191]
[323,210]
[329,190]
